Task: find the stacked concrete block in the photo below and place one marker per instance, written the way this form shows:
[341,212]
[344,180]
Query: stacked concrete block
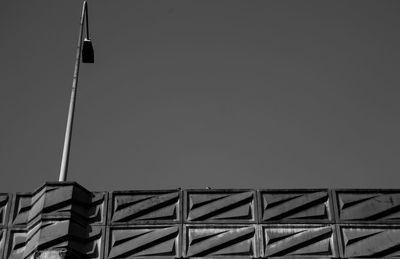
[368,223]
[145,207]
[298,241]
[144,241]
[144,224]
[5,203]
[297,224]
[58,217]
[64,220]
[220,223]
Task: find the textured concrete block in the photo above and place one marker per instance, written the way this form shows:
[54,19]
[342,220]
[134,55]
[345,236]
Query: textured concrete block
[145,207]
[154,241]
[369,241]
[5,202]
[298,241]
[84,242]
[59,201]
[15,244]
[20,209]
[295,206]
[3,234]
[368,206]
[220,206]
[64,220]
[220,241]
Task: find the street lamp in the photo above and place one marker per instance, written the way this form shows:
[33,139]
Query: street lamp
[85,48]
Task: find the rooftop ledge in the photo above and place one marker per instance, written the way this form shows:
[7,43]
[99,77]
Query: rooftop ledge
[65,220]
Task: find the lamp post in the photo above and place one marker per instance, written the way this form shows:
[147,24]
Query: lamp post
[85,48]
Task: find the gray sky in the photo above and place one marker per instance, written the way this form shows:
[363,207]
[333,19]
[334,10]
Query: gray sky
[250,94]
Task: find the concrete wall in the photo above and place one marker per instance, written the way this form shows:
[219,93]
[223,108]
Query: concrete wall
[64,220]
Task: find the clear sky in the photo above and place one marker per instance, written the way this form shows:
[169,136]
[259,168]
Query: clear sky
[226,94]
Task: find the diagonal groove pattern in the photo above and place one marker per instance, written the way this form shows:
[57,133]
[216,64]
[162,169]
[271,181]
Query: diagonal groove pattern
[217,207]
[226,241]
[295,206]
[153,207]
[319,238]
[145,242]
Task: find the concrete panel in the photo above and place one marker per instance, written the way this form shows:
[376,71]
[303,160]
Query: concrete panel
[3,234]
[220,241]
[368,206]
[20,209]
[154,241]
[84,242]
[66,220]
[15,244]
[369,241]
[59,202]
[5,202]
[295,206]
[220,206]
[298,241]
[145,207]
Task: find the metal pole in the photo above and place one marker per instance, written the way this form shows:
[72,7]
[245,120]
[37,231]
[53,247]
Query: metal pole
[87,21]
[70,119]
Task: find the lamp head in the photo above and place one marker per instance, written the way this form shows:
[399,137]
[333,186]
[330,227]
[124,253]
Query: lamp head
[87,51]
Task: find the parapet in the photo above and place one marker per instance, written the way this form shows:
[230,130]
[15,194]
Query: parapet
[64,220]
